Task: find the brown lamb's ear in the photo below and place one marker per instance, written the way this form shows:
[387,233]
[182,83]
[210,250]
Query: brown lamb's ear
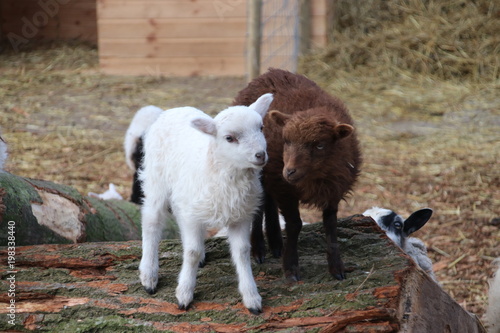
[278,117]
[344,130]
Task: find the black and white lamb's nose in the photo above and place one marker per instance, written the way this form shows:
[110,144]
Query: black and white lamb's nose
[261,156]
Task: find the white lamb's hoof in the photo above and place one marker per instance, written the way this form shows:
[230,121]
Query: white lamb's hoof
[255,311]
[149,280]
[150,291]
[253,304]
[184,297]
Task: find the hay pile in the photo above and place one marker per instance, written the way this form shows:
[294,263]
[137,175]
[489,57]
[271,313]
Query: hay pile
[445,39]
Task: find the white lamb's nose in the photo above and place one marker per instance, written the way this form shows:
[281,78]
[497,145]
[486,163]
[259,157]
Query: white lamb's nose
[261,156]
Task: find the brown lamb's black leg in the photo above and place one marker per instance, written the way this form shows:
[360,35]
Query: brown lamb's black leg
[290,253]
[273,228]
[273,231]
[257,236]
[335,264]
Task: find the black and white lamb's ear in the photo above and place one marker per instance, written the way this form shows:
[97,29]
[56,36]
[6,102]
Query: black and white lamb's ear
[417,220]
[205,125]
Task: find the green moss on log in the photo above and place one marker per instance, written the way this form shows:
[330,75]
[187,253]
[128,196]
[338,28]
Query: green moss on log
[99,220]
[16,197]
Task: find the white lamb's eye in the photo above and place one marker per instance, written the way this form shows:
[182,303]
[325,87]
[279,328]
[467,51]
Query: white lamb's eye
[261,128]
[229,138]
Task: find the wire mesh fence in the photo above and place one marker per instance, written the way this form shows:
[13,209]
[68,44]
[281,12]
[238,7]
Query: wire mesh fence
[280,34]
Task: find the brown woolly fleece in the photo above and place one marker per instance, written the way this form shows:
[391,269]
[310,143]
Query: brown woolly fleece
[312,118]
[314,159]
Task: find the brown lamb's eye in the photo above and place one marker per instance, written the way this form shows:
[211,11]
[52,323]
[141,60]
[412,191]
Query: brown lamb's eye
[320,146]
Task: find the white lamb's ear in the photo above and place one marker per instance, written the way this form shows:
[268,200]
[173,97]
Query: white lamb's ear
[261,105]
[205,125]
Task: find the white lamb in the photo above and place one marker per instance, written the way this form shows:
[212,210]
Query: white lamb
[399,230]
[205,172]
[493,310]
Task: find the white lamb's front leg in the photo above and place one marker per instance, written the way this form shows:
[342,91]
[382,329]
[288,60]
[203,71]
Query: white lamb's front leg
[239,240]
[153,219]
[193,244]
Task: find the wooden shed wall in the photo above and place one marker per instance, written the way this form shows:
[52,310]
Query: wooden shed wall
[41,20]
[179,37]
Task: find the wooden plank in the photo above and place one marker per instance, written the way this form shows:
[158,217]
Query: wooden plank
[164,48]
[181,66]
[122,9]
[175,47]
[178,37]
[31,21]
[17,9]
[53,33]
[66,14]
[171,28]
[235,47]
[54,30]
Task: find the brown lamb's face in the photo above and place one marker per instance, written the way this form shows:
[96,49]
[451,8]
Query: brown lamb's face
[309,140]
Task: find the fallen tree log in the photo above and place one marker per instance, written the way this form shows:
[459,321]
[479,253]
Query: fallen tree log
[94,287]
[42,212]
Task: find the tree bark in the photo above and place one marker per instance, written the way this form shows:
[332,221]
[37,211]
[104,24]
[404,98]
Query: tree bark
[94,287]
[41,212]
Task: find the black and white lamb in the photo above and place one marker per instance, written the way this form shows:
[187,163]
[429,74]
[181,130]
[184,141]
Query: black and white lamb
[399,230]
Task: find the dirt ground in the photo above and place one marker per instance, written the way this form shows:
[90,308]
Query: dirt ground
[426,143]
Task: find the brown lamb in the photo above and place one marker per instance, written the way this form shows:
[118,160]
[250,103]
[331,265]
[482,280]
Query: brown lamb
[314,159]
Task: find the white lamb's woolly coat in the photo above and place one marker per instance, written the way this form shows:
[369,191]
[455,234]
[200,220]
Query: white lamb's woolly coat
[205,172]
[216,190]
[493,310]
[138,126]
